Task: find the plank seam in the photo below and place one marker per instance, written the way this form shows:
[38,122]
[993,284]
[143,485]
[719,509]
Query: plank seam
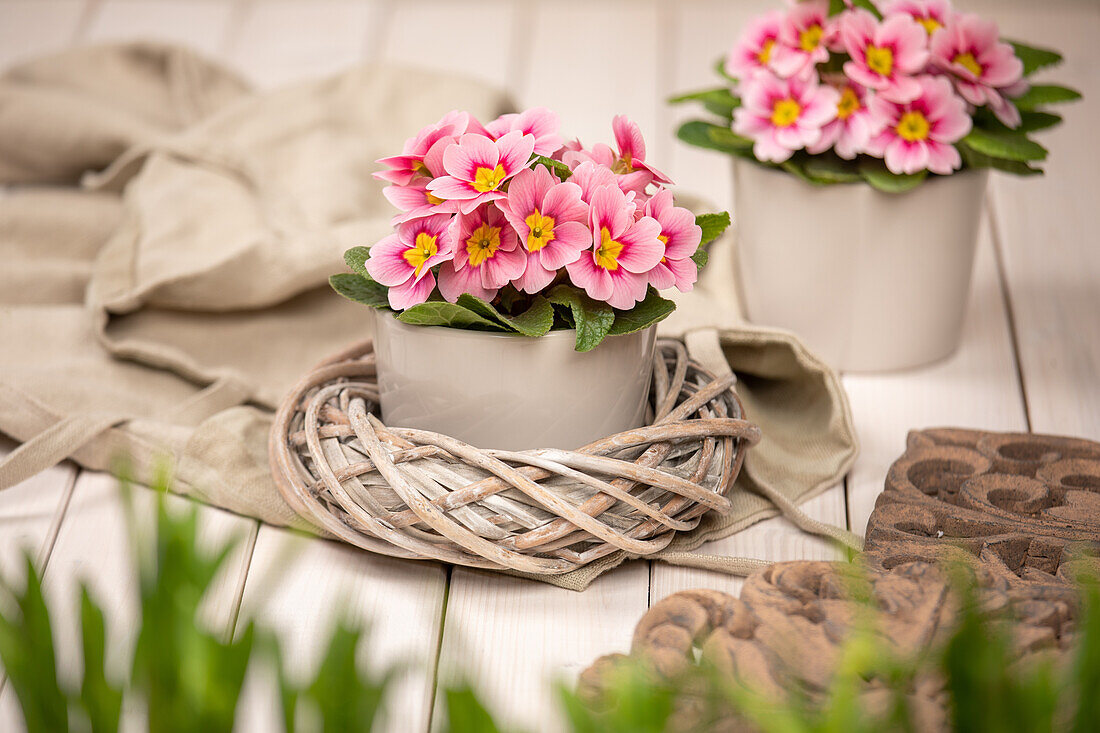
[1006,299]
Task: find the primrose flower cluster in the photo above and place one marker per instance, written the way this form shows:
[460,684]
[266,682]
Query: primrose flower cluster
[510,203]
[900,81]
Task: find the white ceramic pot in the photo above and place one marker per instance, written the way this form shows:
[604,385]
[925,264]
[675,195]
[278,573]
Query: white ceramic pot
[871,281]
[508,391]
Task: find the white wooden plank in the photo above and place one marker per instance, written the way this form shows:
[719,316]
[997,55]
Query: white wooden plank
[287,40]
[32,27]
[300,586]
[1048,229]
[513,639]
[699,34]
[201,24]
[94,548]
[30,513]
[774,540]
[591,61]
[436,35]
[976,387]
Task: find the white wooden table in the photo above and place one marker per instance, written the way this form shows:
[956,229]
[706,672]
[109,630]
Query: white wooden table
[1030,358]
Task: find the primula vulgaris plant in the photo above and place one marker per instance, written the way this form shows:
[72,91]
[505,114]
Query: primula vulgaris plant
[835,91]
[506,227]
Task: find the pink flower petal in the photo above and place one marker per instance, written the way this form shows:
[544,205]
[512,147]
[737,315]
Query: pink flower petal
[411,293]
[386,263]
[596,281]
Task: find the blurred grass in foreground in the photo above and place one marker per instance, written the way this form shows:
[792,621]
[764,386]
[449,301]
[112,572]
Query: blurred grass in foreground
[183,678]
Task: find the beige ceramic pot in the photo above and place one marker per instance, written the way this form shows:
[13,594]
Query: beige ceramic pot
[511,392]
[871,281]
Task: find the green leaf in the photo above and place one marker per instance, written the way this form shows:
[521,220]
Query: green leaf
[700,257]
[466,713]
[652,309]
[869,6]
[1035,58]
[450,315]
[713,226]
[715,137]
[1005,144]
[836,7]
[27,652]
[356,257]
[360,289]
[831,168]
[534,322]
[1029,122]
[874,171]
[973,159]
[346,700]
[102,702]
[1042,94]
[720,101]
[591,318]
[559,169]
[1035,121]
[720,69]
[796,167]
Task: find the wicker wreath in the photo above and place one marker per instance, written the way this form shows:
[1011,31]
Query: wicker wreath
[422,495]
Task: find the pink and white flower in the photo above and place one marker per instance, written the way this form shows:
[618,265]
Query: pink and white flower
[854,125]
[616,269]
[477,167]
[414,200]
[627,163]
[919,134]
[539,122]
[931,14]
[804,37]
[755,48]
[403,168]
[590,176]
[486,255]
[551,221]
[783,115]
[680,236]
[983,68]
[884,55]
[403,261]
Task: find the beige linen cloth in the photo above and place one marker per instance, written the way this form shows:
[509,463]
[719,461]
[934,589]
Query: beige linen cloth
[165,240]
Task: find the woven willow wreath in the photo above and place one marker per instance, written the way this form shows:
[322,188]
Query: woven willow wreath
[421,495]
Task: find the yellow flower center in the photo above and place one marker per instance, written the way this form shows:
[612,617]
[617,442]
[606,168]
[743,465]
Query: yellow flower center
[765,54]
[483,244]
[607,255]
[785,112]
[880,60]
[931,25]
[421,169]
[423,249]
[810,38]
[432,198]
[913,126]
[968,62]
[623,165]
[541,231]
[487,179]
[849,103]
[663,238]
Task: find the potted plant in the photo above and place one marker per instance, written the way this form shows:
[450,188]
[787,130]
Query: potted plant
[517,296]
[861,137]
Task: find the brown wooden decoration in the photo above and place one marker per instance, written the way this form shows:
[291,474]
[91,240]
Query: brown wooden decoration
[1021,510]
[421,495]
